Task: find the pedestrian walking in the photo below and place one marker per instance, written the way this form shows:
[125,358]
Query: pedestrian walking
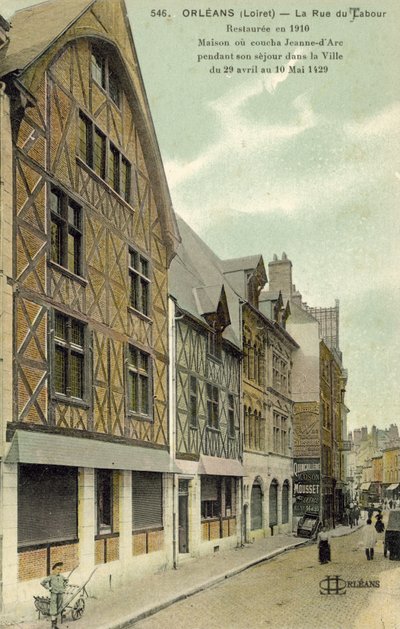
[324,549]
[390,503]
[379,525]
[356,514]
[369,539]
[56,584]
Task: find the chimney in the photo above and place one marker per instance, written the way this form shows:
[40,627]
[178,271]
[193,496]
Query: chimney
[280,276]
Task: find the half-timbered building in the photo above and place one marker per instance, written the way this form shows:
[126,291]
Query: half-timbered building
[88,233]
[267,404]
[205,354]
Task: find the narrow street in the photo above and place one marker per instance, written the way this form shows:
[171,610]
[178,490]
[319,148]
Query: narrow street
[285,593]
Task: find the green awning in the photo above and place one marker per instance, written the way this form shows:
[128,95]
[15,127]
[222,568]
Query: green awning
[41,448]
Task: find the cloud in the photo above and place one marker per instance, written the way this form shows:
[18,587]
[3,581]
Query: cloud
[383,123]
[239,135]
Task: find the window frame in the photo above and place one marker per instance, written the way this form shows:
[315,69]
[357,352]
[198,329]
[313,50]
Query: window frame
[135,376]
[86,151]
[65,229]
[109,76]
[193,401]
[27,472]
[141,279]
[212,394]
[109,529]
[68,348]
[148,477]
[231,416]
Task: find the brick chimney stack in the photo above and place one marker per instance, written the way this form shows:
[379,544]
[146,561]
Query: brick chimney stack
[280,276]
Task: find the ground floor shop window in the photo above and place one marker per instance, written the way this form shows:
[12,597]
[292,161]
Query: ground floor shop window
[47,504]
[147,508]
[104,496]
[218,497]
[210,497]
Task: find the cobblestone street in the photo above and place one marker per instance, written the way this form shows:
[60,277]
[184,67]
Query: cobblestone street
[285,593]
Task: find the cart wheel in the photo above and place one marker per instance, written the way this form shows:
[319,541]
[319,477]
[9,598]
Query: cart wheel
[78,609]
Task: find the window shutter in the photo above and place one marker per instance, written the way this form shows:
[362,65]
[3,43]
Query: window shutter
[285,502]
[146,500]
[47,504]
[209,488]
[256,507]
[273,503]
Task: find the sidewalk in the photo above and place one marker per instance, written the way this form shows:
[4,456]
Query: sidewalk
[152,593]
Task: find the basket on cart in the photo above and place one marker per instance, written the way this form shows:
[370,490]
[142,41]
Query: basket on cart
[73,601]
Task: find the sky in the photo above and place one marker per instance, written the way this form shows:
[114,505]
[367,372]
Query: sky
[302,163]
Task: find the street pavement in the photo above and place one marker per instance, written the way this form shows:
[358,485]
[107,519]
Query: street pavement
[286,592]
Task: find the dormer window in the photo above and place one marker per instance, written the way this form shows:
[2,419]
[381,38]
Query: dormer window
[105,76]
[215,344]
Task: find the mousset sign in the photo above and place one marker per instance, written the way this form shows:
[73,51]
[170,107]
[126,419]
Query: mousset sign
[306,488]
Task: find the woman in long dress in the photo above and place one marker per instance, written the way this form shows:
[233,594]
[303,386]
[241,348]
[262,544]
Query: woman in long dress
[324,549]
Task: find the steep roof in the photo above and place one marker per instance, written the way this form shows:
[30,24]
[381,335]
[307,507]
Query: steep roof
[246,263]
[32,32]
[196,270]
[36,29]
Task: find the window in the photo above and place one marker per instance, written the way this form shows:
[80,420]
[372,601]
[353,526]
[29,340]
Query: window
[215,344]
[193,401]
[285,502]
[114,88]
[140,282]
[104,158]
[231,415]
[280,370]
[66,231]
[147,511]
[104,496]
[99,153]
[280,433]
[105,76]
[210,497]
[273,503]
[139,381]
[98,68]
[85,139]
[212,406]
[256,503]
[69,348]
[47,504]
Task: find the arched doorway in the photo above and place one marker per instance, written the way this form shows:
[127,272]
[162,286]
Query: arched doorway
[273,503]
[256,506]
[285,502]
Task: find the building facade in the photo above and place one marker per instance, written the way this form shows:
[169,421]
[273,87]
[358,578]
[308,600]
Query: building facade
[205,368]
[89,234]
[318,391]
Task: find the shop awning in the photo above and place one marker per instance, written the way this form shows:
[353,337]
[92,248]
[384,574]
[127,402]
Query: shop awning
[216,466]
[365,486]
[392,487]
[40,448]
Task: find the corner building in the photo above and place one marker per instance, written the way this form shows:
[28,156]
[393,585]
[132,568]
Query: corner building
[89,233]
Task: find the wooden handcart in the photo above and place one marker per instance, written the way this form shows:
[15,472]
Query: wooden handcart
[73,601]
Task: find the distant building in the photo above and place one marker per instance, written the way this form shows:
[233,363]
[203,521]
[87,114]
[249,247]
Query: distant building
[318,388]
